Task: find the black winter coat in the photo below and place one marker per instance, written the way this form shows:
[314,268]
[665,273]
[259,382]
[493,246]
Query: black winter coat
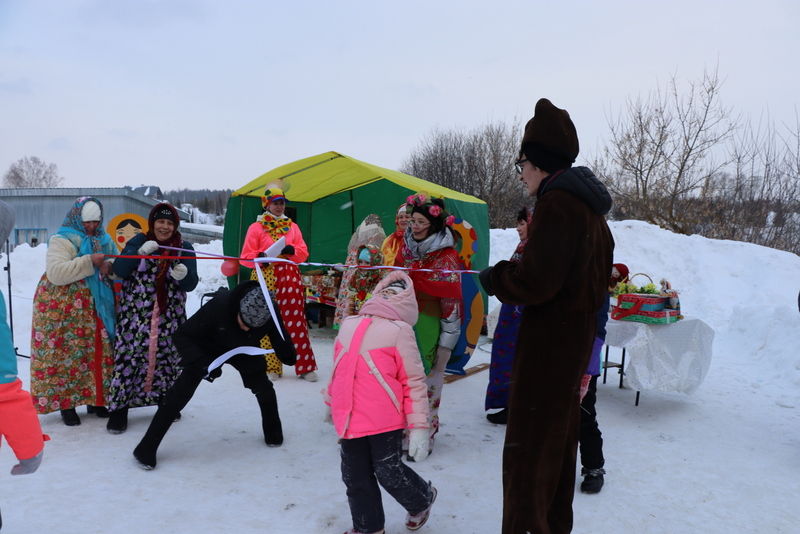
[214,330]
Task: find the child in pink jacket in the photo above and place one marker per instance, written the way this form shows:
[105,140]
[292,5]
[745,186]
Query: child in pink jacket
[377,389]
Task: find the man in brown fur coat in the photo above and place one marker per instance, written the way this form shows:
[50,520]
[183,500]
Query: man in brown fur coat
[561,280]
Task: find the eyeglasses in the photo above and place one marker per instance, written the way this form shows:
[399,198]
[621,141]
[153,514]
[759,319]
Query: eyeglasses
[518,165]
[423,224]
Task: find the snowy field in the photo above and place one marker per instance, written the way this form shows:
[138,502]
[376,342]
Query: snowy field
[723,460]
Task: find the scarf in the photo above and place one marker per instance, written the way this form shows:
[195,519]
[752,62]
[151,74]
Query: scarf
[415,250]
[72,230]
[276,227]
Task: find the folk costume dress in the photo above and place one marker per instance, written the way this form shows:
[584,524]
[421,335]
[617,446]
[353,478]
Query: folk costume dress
[73,320]
[152,305]
[369,232]
[283,279]
[504,345]
[439,301]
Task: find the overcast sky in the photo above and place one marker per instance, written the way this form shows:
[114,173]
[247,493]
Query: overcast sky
[202,93]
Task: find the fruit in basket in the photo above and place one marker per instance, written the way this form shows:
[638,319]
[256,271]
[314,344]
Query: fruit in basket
[627,287]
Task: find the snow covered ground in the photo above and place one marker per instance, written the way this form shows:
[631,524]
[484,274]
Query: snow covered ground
[726,459]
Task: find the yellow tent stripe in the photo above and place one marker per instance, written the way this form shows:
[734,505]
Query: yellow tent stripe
[315,177]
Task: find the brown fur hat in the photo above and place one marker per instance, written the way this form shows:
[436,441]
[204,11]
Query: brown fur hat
[550,141]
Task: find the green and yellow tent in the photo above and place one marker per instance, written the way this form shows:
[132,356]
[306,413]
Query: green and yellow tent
[330,194]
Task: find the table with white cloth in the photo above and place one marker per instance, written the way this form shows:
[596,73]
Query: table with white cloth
[663,357]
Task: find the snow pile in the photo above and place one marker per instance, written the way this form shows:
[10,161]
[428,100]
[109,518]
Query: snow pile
[724,459]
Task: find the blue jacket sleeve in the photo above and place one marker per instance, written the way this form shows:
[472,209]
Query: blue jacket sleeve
[123,267]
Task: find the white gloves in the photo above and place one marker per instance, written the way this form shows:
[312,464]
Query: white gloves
[178,272]
[26,467]
[148,247]
[418,442]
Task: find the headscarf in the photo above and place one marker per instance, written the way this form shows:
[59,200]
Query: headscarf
[72,230]
[175,241]
[394,242]
[364,280]
[369,232]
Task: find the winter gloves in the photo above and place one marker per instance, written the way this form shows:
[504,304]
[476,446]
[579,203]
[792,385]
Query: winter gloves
[418,443]
[26,467]
[288,250]
[148,247]
[178,272]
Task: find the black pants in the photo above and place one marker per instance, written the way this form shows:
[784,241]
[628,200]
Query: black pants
[253,372]
[591,439]
[371,460]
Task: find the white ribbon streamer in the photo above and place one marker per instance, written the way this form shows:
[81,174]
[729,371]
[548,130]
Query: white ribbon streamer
[265,291]
[251,351]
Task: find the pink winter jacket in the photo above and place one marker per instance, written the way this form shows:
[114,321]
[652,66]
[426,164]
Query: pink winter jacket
[360,405]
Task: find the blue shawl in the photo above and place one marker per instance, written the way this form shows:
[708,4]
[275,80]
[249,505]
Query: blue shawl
[102,292]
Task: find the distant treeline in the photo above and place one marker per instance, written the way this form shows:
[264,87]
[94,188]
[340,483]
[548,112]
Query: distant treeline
[212,201]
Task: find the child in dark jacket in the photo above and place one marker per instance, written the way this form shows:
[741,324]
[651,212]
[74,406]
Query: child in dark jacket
[232,322]
[377,389]
[590,437]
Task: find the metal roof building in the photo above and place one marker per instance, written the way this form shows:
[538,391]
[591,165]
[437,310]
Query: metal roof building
[40,211]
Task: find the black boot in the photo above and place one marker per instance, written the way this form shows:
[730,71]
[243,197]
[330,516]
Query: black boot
[145,451]
[270,420]
[498,418]
[70,417]
[117,421]
[592,480]
[99,411]
[176,399]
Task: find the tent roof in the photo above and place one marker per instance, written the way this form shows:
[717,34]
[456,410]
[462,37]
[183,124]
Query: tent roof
[315,177]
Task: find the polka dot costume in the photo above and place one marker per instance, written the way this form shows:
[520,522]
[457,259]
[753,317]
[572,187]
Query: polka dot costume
[285,280]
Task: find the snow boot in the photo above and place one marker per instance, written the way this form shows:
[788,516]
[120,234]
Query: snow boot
[592,480]
[415,522]
[70,417]
[117,421]
[145,451]
[498,418]
[270,420]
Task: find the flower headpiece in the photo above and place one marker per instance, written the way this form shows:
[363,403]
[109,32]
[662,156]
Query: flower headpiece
[432,208]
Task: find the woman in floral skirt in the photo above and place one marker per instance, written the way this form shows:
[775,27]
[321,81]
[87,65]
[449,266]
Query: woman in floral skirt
[73,317]
[152,305]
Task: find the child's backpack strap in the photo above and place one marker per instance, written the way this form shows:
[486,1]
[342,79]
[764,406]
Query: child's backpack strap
[355,346]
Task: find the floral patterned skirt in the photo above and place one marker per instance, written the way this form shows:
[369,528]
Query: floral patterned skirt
[71,356]
[146,360]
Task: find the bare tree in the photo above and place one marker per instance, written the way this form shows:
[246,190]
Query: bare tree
[31,171]
[757,199]
[664,148]
[479,163]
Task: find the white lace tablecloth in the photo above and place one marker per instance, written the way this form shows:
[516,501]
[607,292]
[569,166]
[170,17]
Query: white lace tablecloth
[663,357]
